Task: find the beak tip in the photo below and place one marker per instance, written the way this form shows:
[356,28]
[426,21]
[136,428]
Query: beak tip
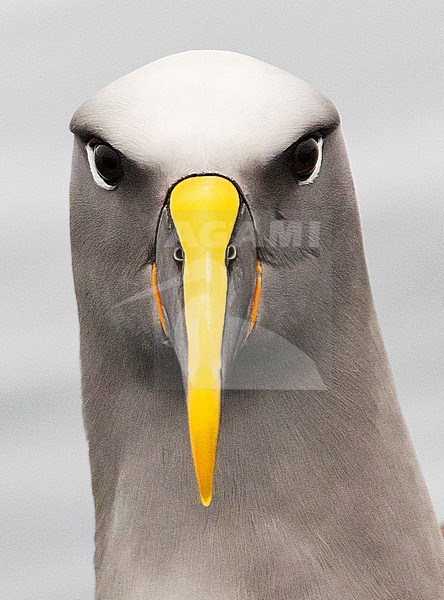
[206,500]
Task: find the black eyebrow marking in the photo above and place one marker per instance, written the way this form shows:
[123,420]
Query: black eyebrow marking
[86,128]
[85,134]
[323,130]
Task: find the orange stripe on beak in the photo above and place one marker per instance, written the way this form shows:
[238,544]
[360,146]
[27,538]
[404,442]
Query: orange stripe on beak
[157,297]
[256,296]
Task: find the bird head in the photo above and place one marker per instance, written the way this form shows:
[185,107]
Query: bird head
[198,190]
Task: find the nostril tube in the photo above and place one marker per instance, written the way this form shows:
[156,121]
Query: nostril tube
[231,252]
[179,255]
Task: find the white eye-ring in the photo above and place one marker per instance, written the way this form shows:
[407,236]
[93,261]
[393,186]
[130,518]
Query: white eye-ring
[105,164]
[307,160]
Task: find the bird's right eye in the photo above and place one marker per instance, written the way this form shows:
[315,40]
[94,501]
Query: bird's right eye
[105,164]
[306,159]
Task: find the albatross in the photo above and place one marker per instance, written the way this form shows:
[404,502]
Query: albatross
[244,434]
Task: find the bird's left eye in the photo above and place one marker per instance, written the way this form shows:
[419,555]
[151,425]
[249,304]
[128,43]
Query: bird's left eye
[105,164]
[306,159]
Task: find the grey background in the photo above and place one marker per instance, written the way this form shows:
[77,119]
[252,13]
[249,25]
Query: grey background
[380,62]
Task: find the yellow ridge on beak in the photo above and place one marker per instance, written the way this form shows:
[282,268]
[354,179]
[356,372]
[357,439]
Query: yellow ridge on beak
[204,210]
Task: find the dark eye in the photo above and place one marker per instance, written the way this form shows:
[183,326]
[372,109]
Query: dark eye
[108,164]
[105,164]
[306,159]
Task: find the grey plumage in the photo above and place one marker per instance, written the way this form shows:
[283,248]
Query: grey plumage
[318,495]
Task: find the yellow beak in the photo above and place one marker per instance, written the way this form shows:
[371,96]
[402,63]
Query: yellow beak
[204,210]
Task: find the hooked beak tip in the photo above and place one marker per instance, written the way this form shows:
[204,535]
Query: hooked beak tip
[206,500]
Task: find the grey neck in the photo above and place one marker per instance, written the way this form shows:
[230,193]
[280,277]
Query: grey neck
[302,476]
